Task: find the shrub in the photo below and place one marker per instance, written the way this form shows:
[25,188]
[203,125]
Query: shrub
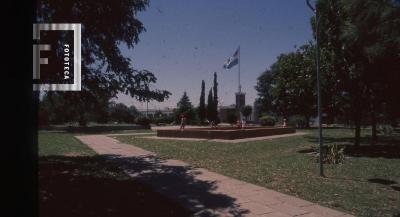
[267,120]
[297,121]
[231,118]
[333,154]
[143,121]
[386,130]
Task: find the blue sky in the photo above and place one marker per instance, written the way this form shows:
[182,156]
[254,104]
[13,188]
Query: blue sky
[187,41]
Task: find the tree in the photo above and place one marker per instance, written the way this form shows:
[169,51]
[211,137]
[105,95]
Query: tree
[263,88]
[133,111]
[53,109]
[105,71]
[119,112]
[362,38]
[215,89]
[210,107]
[246,111]
[202,105]
[185,107]
[232,117]
[287,88]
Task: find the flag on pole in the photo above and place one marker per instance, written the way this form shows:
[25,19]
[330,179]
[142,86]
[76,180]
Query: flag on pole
[232,61]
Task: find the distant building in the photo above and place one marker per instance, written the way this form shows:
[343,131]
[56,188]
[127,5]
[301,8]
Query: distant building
[151,112]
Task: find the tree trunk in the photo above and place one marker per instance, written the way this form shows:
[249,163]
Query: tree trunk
[373,122]
[357,123]
[307,123]
[82,120]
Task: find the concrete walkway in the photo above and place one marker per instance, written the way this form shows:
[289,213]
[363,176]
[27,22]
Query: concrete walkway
[204,192]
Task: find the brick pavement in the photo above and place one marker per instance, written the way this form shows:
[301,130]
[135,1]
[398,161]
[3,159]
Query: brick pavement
[203,192]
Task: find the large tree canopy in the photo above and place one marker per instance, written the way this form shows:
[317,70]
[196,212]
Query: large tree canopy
[360,65]
[362,37]
[106,27]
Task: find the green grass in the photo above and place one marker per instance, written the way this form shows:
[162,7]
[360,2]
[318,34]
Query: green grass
[281,164]
[61,144]
[64,143]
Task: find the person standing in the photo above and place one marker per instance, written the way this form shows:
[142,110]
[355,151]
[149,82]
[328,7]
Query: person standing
[284,123]
[183,122]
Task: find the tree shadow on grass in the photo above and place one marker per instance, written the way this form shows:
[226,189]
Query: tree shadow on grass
[95,186]
[382,181]
[387,147]
[392,184]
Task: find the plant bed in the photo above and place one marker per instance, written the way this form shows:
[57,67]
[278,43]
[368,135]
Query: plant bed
[227,133]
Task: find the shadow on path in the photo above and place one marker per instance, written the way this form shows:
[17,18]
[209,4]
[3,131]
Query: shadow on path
[94,186]
[180,184]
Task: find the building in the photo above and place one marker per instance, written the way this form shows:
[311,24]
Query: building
[151,112]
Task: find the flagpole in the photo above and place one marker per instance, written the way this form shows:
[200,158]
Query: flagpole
[240,87]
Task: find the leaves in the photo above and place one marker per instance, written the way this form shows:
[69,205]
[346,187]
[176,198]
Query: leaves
[106,27]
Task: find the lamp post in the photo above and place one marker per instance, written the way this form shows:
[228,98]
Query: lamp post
[320,139]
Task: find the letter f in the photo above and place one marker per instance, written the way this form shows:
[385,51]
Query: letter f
[37,61]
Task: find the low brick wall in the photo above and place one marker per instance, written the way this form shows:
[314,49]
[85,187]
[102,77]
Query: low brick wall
[225,133]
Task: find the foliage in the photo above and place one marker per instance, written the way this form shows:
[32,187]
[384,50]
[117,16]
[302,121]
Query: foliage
[144,121]
[287,88]
[119,112]
[215,97]
[231,117]
[202,104]
[264,86]
[267,120]
[386,130]
[185,107]
[211,115]
[359,64]
[246,111]
[297,121]
[361,37]
[332,154]
[105,71]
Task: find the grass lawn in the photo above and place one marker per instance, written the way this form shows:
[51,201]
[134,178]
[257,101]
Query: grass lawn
[367,184]
[62,144]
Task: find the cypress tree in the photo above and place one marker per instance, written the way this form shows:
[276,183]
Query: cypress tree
[210,106]
[202,105]
[215,98]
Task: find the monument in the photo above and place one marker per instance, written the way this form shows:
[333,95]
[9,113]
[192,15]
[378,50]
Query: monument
[228,133]
[240,101]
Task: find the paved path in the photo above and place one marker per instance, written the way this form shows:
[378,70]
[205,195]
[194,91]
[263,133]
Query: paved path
[204,192]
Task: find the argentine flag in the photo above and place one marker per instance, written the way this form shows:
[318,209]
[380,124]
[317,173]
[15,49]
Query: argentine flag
[232,61]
